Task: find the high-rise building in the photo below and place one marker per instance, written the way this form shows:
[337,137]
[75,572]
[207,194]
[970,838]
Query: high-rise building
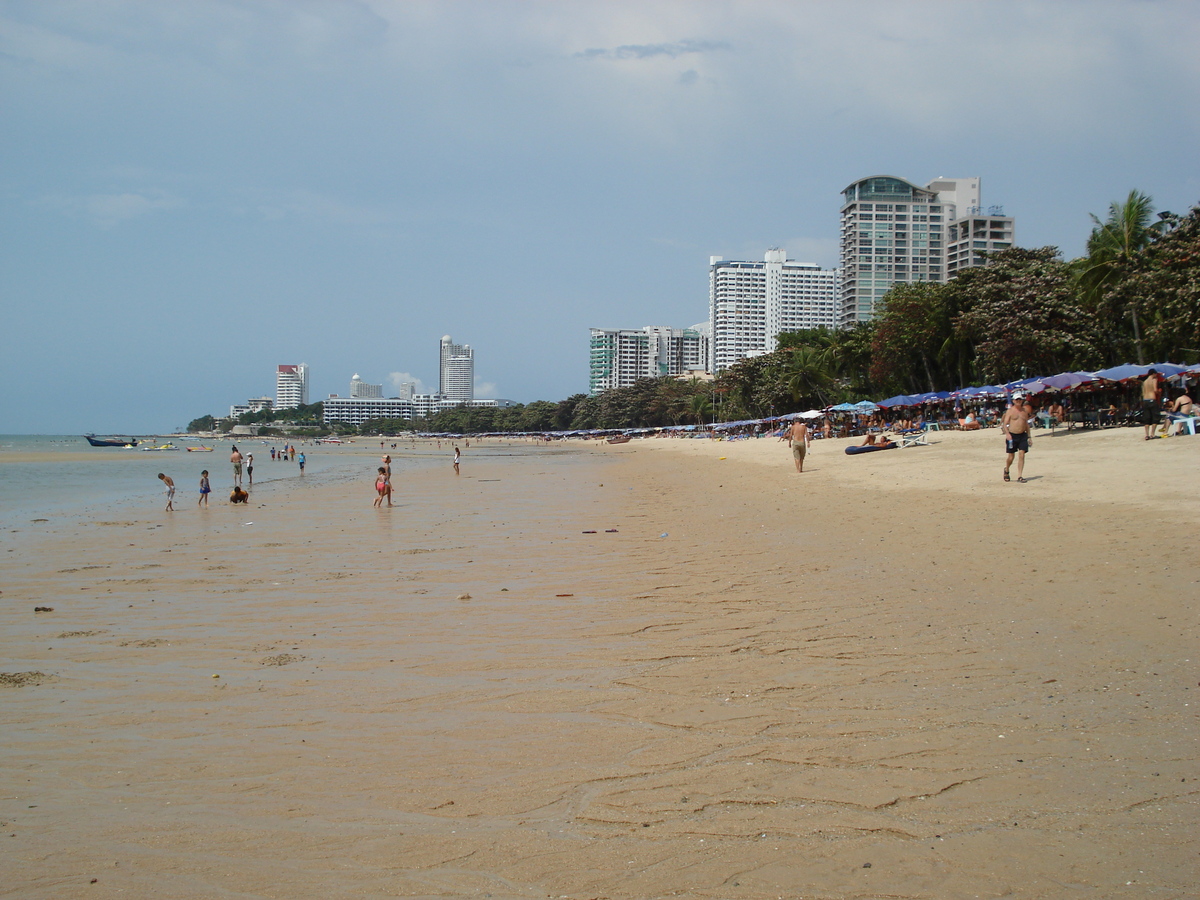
[618,358]
[894,232]
[359,389]
[456,371]
[751,303]
[975,231]
[291,386]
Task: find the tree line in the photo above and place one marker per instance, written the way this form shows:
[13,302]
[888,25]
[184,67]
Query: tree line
[1134,296]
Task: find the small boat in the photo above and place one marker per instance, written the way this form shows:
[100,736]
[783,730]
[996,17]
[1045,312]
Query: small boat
[199,450]
[325,441]
[111,441]
[620,439]
[167,446]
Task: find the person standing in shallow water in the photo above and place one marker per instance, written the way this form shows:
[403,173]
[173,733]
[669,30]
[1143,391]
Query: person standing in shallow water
[250,468]
[457,457]
[205,489]
[236,458]
[170,483]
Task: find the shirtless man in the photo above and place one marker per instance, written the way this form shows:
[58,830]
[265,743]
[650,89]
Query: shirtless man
[236,458]
[798,438]
[1015,426]
[170,485]
[1151,392]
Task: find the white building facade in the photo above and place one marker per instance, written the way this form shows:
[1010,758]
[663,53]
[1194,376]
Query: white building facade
[895,232]
[356,410]
[751,303]
[619,357]
[291,386]
[361,390]
[456,370]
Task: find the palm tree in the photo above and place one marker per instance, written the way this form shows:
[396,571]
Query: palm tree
[699,407]
[1113,244]
[808,373]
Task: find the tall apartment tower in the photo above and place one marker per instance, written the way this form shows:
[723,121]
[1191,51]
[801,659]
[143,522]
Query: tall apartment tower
[359,389]
[618,358]
[456,370]
[894,232]
[751,303]
[291,386]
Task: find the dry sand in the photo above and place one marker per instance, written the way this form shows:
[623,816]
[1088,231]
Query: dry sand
[893,676]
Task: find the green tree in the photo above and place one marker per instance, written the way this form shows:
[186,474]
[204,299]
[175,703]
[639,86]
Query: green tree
[204,423]
[909,336]
[1164,282]
[1111,248]
[1022,314]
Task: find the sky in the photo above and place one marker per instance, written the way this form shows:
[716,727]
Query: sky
[192,193]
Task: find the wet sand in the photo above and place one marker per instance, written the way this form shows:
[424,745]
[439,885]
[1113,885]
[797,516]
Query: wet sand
[892,676]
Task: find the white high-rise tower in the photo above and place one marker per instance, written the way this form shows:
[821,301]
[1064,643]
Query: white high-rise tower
[291,386]
[456,371]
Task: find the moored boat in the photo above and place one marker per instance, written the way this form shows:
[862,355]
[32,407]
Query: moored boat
[620,439]
[111,441]
[199,449]
[166,446]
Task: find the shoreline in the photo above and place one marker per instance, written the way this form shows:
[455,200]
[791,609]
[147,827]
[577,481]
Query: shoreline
[757,684]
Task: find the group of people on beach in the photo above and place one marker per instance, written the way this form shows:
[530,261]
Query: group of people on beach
[238,461]
[383,476]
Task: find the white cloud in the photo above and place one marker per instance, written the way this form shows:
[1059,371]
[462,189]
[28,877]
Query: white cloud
[395,379]
[109,210]
[485,390]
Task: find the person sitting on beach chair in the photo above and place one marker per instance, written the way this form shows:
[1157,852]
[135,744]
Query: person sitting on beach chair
[970,423]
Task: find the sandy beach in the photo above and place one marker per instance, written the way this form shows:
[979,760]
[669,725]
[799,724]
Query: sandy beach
[893,676]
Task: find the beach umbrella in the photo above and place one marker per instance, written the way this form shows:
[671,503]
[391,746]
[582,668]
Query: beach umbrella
[1067,380]
[1130,371]
[844,407]
[865,406]
[811,414]
[898,400]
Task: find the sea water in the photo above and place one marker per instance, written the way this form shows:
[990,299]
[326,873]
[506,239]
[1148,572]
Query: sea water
[51,476]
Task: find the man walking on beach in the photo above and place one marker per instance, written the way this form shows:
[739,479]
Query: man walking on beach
[1151,394]
[236,458]
[798,440]
[1015,426]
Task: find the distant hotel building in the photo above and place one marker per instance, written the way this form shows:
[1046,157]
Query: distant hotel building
[355,411]
[618,358]
[894,232]
[291,386]
[456,371]
[254,404]
[751,303]
[359,389]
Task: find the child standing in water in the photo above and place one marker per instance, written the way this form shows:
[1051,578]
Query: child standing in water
[170,483]
[205,489]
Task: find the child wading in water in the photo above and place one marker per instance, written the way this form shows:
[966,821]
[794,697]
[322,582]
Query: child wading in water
[170,483]
[383,487]
[205,489]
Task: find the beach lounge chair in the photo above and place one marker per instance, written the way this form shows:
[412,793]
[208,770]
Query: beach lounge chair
[913,439]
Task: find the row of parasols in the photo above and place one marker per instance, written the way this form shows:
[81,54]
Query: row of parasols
[1063,382]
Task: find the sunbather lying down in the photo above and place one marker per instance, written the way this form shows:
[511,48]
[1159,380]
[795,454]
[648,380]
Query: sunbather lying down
[882,441]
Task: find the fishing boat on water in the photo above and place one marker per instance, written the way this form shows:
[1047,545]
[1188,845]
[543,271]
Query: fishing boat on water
[111,441]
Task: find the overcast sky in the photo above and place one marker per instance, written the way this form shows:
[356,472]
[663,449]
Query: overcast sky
[195,191]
